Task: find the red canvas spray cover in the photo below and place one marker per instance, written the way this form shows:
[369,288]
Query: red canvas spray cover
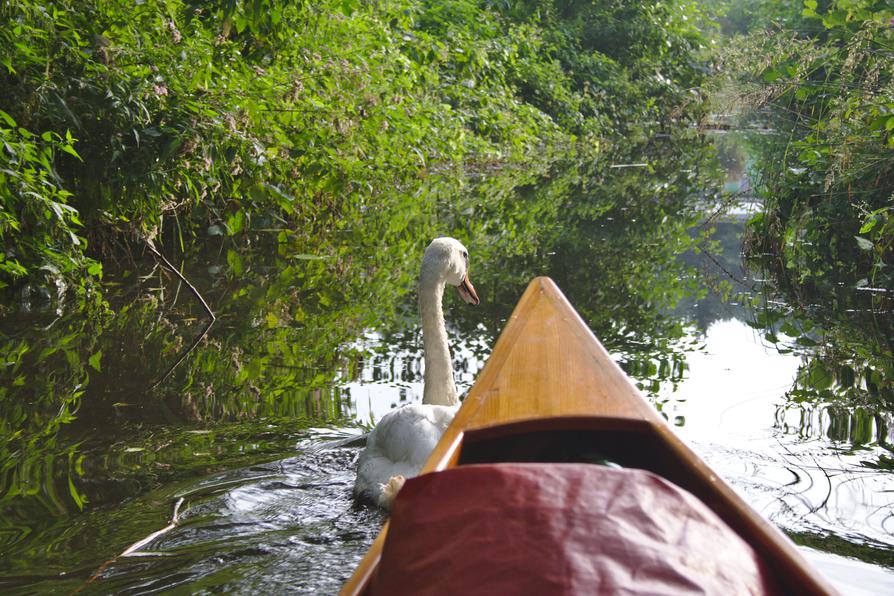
[560,529]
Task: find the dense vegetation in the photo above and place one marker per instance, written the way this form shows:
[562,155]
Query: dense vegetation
[285,343]
[294,157]
[821,76]
[122,121]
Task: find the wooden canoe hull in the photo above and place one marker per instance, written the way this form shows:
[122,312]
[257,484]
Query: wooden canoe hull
[549,374]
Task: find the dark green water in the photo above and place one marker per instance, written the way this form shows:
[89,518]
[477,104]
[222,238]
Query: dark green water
[316,337]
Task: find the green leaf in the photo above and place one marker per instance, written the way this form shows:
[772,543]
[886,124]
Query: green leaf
[234,260]
[789,329]
[8,119]
[819,376]
[867,227]
[71,151]
[863,243]
[878,123]
[95,361]
[835,18]
[236,223]
[79,499]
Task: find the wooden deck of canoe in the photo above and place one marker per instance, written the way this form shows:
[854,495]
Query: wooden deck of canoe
[549,374]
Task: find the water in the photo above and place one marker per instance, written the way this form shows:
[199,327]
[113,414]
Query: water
[251,438]
[280,526]
[788,461]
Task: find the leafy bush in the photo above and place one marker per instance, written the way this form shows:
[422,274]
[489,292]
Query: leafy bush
[826,235]
[212,115]
[35,207]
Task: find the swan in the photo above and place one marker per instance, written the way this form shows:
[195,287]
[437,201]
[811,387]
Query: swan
[401,442]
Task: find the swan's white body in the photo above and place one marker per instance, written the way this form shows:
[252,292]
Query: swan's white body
[401,442]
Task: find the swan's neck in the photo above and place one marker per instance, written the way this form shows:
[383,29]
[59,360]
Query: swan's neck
[439,387]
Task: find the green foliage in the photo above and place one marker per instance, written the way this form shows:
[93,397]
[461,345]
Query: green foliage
[295,157]
[829,187]
[223,114]
[610,66]
[825,236]
[34,207]
[289,312]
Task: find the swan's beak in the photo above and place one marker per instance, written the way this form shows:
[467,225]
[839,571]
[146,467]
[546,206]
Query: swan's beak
[467,292]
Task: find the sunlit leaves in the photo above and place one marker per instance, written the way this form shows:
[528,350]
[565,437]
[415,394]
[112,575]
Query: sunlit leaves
[300,110]
[95,361]
[39,227]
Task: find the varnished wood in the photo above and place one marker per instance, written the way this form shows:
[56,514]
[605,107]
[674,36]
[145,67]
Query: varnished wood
[548,366]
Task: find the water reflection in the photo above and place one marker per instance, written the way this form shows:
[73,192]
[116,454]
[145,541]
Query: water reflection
[285,526]
[326,334]
[803,466]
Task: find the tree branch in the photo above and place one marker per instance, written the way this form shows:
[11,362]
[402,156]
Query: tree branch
[211,318]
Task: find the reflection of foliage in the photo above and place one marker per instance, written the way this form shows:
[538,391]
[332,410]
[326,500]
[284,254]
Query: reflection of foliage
[611,238]
[297,169]
[43,382]
[850,429]
[876,554]
[829,375]
[844,359]
[825,238]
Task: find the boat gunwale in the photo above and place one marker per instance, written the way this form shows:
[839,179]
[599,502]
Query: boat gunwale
[771,544]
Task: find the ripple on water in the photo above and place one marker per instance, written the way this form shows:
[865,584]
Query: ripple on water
[287,526]
[808,487]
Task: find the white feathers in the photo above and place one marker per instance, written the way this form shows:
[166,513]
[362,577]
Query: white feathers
[398,447]
[401,442]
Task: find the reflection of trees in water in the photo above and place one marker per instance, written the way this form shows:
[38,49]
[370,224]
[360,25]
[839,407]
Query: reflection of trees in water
[812,478]
[820,311]
[833,478]
[842,392]
[720,270]
[290,306]
[851,428]
[610,237]
[843,332]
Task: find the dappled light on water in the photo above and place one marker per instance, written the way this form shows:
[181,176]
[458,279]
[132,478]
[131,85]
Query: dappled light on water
[315,344]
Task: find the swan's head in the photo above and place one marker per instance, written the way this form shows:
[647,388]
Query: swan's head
[447,260]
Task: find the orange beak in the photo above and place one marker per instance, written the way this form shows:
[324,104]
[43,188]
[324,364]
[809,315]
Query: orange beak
[467,292]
